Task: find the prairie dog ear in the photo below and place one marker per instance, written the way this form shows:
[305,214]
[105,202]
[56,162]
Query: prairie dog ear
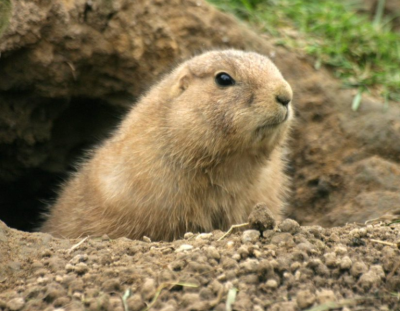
[181,82]
[184,81]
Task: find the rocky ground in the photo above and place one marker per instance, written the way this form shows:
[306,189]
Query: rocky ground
[355,267]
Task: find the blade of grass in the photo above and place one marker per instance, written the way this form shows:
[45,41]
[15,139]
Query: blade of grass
[379,13]
[357,100]
[231,298]
[125,297]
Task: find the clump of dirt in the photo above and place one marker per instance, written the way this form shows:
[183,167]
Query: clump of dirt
[261,218]
[290,268]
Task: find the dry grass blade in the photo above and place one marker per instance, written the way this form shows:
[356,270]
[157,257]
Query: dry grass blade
[231,228]
[231,298]
[384,242]
[77,245]
[125,297]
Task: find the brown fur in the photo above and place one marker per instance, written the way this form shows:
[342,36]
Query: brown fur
[190,156]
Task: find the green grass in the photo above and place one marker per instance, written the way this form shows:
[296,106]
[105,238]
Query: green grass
[363,52]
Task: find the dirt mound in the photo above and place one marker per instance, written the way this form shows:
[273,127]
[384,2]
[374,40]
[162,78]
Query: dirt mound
[291,268]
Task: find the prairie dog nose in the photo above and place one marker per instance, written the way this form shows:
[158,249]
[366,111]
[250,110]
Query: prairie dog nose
[283,100]
[284,96]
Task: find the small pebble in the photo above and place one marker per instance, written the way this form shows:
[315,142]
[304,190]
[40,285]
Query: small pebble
[148,289]
[236,256]
[283,239]
[305,299]
[16,304]
[334,237]
[75,285]
[41,272]
[306,247]
[59,278]
[345,263]
[69,267]
[243,251]
[112,285]
[168,308]
[230,244]
[77,295]
[212,252]
[135,303]
[81,268]
[325,295]
[46,253]
[36,265]
[354,233]
[251,236]
[330,260]
[188,235]
[358,268]
[340,250]
[188,299]
[42,280]
[272,284]
[204,236]
[79,258]
[295,266]
[284,306]
[250,265]
[289,225]
[206,294]
[184,247]
[105,237]
[369,279]
[146,239]
[53,291]
[378,269]
[257,253]
[249,279]
[320,245]
[258,308]
[61,301]
[229,263]
[100,303]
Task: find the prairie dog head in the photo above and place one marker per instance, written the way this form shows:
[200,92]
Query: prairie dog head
[229,101]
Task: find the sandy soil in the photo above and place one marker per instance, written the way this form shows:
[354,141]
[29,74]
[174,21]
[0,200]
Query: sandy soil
[289,268]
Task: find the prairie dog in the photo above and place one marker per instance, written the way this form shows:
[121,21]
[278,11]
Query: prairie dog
[196,153]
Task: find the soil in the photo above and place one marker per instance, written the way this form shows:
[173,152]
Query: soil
[354,267]
[345,168]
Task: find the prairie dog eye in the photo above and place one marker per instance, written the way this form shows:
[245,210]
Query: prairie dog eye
[224,80]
